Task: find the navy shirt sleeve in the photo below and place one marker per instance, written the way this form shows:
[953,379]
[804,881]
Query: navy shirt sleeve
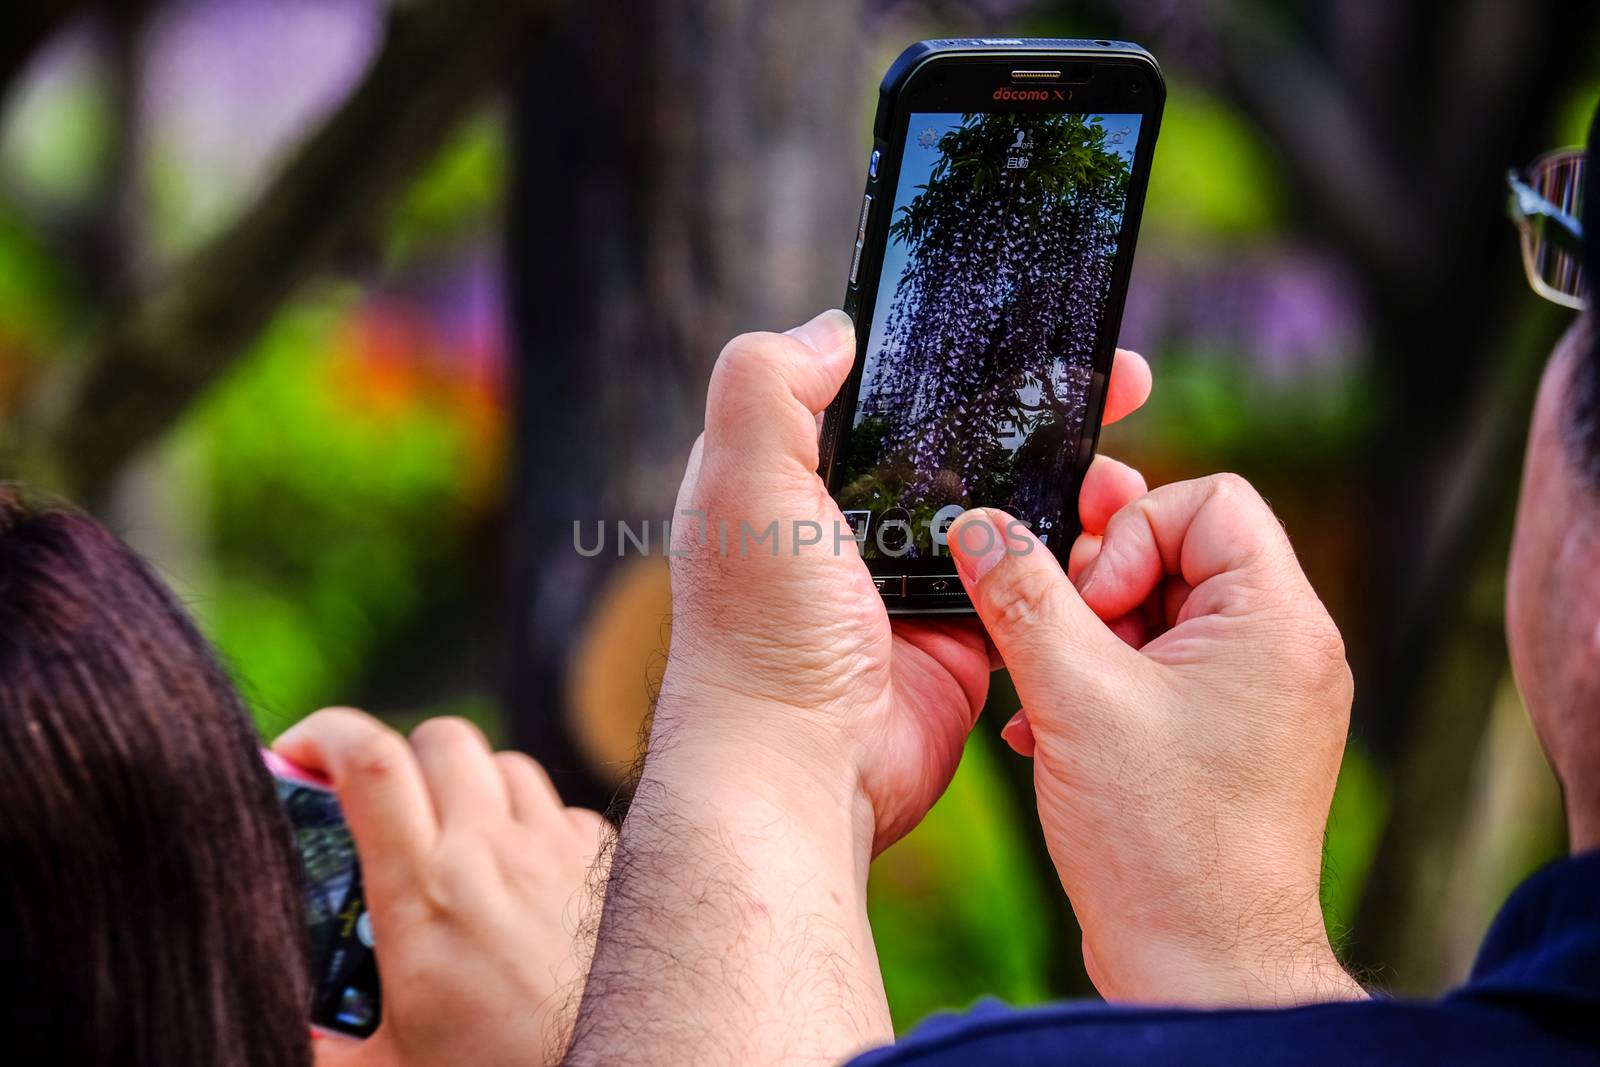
[1533,998]
[1370,1032]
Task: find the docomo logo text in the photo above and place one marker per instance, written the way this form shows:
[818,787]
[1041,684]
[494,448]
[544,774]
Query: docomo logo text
[1005,92]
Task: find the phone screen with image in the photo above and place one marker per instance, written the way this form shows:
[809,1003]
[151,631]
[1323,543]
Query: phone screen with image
[992,303]
[344,971]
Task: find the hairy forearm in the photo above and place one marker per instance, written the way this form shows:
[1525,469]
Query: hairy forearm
[735,927]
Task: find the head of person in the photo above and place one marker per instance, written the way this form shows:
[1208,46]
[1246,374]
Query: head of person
[1553,586]
[149,910]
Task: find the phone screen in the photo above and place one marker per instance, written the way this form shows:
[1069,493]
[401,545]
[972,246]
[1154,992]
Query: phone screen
[344,972]
[992,302]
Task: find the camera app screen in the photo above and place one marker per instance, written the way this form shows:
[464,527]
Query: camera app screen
[990,308]
[343,969]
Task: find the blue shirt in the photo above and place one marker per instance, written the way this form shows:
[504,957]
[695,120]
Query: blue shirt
[1533,998]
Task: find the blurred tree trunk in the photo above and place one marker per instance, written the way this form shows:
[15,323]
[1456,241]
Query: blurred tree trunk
[683,171]
[1396,123]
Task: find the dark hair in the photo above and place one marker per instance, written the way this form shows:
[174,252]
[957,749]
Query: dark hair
[149,903]
[1585,424]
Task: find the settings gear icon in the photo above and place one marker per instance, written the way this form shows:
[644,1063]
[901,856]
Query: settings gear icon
[927,137]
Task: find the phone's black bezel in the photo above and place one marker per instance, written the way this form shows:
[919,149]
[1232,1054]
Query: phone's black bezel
[934,76]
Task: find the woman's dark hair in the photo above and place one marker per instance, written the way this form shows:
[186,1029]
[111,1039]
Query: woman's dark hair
[149,903]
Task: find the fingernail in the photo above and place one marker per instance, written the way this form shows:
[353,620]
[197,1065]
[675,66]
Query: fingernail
[977,542]
[826,332]
[1018,733]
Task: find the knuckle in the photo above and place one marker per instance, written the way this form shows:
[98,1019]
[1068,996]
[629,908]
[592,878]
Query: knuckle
[1330,644]
[1024,601]
[586,822]
[747,359]
[1230,486]
[1333,642]
[1319,661]
[445,730]
[519,759]
[447,886]
[1346,685]
[530,770]
[339,717]
[380,753]
[748,382]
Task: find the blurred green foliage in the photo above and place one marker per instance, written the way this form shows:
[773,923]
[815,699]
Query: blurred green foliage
[458,194]
[329,484]
[1574,116]
[956,912]
[1217,408]
[34,289]
[1360,806]
[1212,179]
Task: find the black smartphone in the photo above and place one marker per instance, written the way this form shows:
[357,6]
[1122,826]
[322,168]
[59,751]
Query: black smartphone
[344,972]
[991,263]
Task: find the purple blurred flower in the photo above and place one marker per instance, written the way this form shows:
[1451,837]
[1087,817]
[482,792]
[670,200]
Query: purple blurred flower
[465,300]
[231,84]
[1290,312]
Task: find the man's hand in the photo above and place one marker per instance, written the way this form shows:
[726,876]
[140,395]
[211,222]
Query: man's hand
[1186,705]
[797,733]
[781,649]
[475,875]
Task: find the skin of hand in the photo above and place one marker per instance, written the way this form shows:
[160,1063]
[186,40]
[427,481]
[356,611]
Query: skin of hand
[478,885]
[798,732]
[1186,701]
[793,636]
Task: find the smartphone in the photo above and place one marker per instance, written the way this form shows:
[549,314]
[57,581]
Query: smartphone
[991,263]
[344,971]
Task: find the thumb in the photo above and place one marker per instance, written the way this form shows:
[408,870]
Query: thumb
[767,389]
[1053,645]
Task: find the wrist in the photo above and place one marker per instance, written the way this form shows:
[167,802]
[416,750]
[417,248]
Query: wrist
[738,885]
[1282,967]
[742,788]
[754,752]
[1302,975]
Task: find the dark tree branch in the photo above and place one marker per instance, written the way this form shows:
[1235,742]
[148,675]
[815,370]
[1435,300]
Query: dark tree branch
[144,366]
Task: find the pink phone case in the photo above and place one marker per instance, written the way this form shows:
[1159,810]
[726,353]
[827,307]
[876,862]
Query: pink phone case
[282,768]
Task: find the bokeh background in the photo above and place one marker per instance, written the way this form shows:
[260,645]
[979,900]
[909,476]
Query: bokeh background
[344,311]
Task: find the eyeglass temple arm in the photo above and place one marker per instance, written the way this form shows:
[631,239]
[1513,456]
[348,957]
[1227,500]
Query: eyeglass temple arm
[1568,231]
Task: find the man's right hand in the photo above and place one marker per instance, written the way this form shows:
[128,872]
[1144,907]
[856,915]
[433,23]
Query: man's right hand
[1186,747]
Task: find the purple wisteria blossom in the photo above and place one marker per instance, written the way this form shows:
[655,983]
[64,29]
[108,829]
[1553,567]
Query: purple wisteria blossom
[991,330]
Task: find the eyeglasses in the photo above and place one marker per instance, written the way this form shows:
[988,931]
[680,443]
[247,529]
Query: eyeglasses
[1546,203]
